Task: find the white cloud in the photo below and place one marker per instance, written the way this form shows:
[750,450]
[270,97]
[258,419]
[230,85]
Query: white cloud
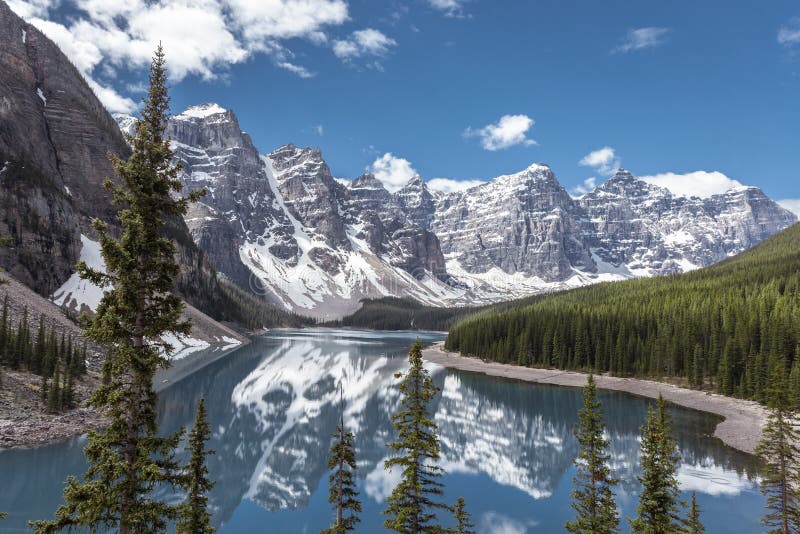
[497,523]
[509,131]
[790,34]
[641,38]
[701,184]
[711,480]
[296,69]
[366,42]
[319,129]
[587,185]
[451,8]
[200,37]
[394,172]
[448,185]
[380,482]
[31,8]
[266,20]
[791,204]
[604,161]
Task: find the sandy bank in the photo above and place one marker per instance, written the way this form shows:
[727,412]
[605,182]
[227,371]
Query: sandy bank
[741,428]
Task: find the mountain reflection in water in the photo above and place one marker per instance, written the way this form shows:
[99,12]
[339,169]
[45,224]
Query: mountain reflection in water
[507,447]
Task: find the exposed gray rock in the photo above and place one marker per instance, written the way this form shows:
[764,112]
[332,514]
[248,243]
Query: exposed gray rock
[524,222]
[318,246]
[650,231]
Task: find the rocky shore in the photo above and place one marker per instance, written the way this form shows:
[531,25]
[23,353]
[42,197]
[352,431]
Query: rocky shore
[741,428]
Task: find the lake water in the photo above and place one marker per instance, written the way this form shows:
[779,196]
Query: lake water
[507,446]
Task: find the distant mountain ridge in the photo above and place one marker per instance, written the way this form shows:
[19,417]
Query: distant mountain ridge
[280,224]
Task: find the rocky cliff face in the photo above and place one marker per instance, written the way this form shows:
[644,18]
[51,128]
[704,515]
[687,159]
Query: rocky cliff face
[280,224]
[646,230]
[54,140]
[520,223]
[55,137]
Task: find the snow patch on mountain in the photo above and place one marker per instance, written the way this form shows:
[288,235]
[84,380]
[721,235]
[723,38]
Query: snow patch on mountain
[284,226]
[77,293]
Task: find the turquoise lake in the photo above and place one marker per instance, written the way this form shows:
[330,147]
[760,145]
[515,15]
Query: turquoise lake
[507,446]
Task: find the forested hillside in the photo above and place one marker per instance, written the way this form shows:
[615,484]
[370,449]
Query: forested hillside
[723,328]
[392,313]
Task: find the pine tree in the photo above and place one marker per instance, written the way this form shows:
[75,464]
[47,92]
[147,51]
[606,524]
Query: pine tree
[463,519]
[658,511]
[693,523]
[40,350]
[194,515]
[411,505]
[68,391]
[593,497]
[779,451]
[54,394]
[4,331]
[4,241]
[128,458]
[343,494]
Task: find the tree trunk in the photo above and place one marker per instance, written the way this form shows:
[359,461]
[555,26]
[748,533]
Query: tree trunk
[129,491]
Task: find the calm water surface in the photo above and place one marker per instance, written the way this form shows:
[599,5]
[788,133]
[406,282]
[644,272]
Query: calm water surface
[507,446]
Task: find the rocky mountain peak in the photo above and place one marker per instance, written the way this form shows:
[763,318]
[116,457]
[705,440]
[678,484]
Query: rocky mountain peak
[624,184]
[367,181]
[317,243]
[417,201]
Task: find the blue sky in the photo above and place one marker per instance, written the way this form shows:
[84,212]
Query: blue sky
[471,89]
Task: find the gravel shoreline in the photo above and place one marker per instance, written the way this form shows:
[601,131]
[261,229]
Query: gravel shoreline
[741,428]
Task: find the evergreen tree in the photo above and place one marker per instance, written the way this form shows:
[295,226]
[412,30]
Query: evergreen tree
[54,394]
[128,458]
[463,519]
[68,391]
[593,497]
[194,515]
[411,505]
[658,511]
[4,241]
[779,451]
[5,331]
[343,494]
[40,350]
[693,523]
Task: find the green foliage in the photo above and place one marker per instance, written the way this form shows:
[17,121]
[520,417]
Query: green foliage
[194,517]
[779,451]
[463,518]
[722,328]
[593,497]
[4,241]
[658,511]
[693,523]
[393,313]
[57,364]
[411,505]
[343,494]
[128,459]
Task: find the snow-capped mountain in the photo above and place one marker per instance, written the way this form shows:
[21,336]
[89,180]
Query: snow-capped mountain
[282,225]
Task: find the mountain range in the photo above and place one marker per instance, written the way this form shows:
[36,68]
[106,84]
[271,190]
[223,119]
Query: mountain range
[281,225]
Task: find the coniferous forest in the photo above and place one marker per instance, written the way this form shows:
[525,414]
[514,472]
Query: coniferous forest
[38,348]
[724,328]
